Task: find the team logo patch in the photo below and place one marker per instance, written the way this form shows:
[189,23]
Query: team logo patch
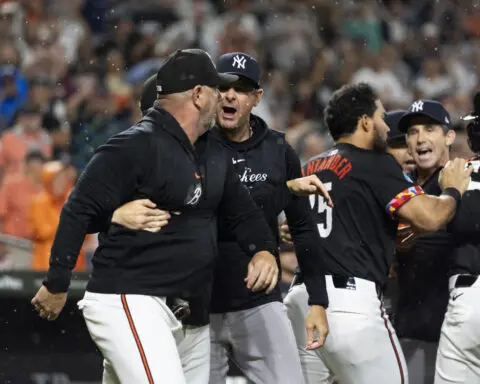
[417,106]
[239,62]
[193,195]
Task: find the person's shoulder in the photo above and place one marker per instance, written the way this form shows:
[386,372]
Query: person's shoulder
[139,131]
[137,137]
[383,162]
[277,135]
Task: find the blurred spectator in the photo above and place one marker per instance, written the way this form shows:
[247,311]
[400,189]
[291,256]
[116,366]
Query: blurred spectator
[44,214]
[26,135]
[16,195]
[47,96]
[433,81]
[377,72]
[13,86]
[361,22]
[115,80]
[97,120]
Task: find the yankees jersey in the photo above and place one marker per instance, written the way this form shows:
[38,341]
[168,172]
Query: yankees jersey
[422,275]
[264,163]
[465,227]
[367,188]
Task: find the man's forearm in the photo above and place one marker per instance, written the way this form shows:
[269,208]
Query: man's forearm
[66,247]
[436,214]
[253,233]
[428,213]
[311,265]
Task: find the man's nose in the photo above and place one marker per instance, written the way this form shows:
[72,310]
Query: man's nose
[230,94]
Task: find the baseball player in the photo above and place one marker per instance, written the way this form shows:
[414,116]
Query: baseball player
[253,328]
[396,143]
[458,356]
[141,281]
[370,193]
[422,270]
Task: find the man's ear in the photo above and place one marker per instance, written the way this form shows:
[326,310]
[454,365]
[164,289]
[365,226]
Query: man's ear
[197,95]
[450,137]
[365,123]
[259,95]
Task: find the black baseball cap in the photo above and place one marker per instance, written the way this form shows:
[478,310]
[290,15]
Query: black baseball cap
[187,68]
[429,108]
[240,64]
[148,94]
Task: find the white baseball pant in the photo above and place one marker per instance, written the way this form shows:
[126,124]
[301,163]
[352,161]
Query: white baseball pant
[458,356]
[362,346]
[143,342]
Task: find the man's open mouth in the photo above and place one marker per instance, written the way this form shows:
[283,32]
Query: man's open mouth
[229,112]
[423,152]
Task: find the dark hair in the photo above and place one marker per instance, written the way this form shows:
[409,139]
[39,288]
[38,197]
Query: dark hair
[346,106]
[35,155]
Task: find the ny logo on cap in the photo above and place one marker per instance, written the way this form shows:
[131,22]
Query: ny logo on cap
[417,106]
[239,62]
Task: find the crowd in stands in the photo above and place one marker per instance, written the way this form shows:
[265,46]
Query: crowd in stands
[71,72]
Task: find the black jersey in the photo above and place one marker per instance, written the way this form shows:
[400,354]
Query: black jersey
[422,276]
[263,164]
[465,227]
[367,188]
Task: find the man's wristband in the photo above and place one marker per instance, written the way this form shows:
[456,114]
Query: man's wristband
[453,192]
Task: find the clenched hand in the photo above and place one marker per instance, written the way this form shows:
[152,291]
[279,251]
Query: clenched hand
[47,304]
[285,234]
[262,272]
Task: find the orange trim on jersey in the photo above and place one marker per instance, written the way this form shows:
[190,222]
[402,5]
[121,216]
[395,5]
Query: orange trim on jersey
[395,350]
[137,339]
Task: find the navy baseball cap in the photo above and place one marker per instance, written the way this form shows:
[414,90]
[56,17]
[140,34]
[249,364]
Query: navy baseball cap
[430,108]
[392,118]
[184,69]
[240,64]
[148,94]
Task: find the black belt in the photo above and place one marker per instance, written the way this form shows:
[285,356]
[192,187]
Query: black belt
[465,281]
[340,282]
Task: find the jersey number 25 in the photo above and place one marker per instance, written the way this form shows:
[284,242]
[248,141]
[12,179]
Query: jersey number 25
[322,208]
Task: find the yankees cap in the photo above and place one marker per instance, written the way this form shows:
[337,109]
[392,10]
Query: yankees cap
[184,69]
[240,64]
[430,108]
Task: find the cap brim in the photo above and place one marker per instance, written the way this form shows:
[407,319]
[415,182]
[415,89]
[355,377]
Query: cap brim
[226,79]
[405,120]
